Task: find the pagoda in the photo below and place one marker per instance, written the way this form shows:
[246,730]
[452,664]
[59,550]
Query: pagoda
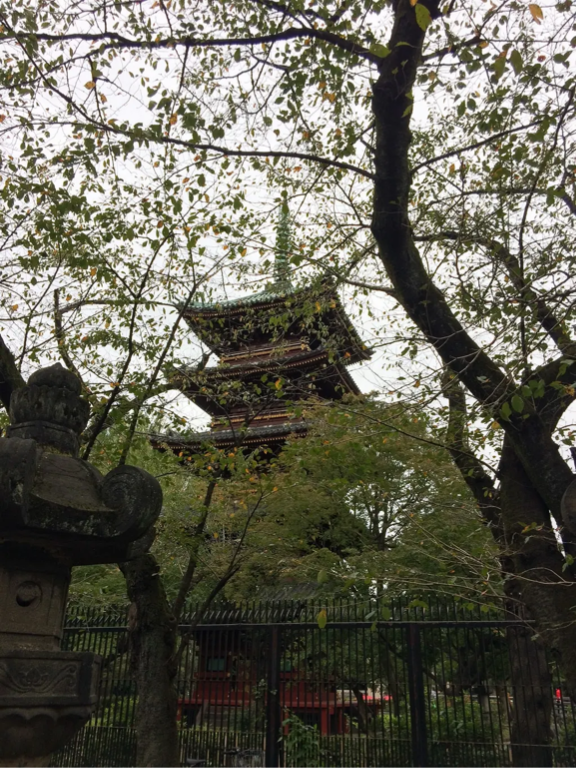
[284,346]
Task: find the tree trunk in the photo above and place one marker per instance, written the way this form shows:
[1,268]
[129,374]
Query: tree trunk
[531,688]
[152,633]
[537,562]
[532,699]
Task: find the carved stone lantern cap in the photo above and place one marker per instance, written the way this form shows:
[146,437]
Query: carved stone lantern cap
[49,409]
[50,497]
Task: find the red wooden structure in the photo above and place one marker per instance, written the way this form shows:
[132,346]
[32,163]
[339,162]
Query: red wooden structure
[230,681]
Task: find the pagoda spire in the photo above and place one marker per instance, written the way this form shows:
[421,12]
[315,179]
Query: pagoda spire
[283,248]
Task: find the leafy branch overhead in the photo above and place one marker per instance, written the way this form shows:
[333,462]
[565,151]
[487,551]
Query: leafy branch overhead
[427,154]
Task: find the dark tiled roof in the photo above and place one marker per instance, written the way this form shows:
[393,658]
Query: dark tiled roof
[199,315]
[255,435]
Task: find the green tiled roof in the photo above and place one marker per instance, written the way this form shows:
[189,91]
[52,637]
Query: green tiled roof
[279,289]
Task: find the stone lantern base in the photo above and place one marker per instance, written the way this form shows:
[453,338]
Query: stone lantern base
[45,697]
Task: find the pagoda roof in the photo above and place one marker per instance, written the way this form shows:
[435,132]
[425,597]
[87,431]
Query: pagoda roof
[244,368]
[332,376]
[278,290]
[281,292]
[225,438]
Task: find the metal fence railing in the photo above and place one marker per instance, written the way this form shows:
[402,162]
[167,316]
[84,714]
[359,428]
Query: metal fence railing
[340,684]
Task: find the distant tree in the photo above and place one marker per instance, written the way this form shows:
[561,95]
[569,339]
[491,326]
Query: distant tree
[368,503]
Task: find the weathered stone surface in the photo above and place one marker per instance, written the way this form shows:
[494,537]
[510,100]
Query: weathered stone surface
[56,511]
[33,589]
[90,518]
[50,410]
[44,699]
[26,762]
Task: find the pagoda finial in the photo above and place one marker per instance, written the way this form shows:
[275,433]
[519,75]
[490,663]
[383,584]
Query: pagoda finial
[283,247]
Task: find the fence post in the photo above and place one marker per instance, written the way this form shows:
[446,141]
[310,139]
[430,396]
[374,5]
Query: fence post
[417,703]
[273,715]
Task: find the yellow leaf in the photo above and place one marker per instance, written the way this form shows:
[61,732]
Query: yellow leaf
[495,425]
[318,307]
[68,297]
[93,271]
[322,618]
[90,84]
[536,12]
[278,383]
[413,2]
[103,98]
[14,307]
[216,534]
[173,120]
[2,118]
[274,489]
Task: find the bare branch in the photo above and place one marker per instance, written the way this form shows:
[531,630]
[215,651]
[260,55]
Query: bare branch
[549,322]
[61,338]
[472,470]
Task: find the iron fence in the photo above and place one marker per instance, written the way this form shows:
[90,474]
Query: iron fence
[340,684]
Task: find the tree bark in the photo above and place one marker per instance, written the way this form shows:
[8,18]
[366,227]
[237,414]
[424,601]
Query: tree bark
[537,562]
[152,633]
[532,697]
[530,677]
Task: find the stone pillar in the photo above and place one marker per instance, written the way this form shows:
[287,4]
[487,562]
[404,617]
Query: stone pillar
[56,511]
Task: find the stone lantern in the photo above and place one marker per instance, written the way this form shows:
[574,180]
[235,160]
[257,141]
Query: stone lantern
[56,511]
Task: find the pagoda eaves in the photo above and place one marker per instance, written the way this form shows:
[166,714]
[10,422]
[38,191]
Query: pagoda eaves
[282,346]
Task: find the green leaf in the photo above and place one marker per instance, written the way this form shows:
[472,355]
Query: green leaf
[506,411]
[499,66]
[322,577]
[516,61]
[322,618]
[517,403]
[380,50]
[423,17]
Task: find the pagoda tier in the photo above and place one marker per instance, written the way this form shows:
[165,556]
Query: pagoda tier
[276,349]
